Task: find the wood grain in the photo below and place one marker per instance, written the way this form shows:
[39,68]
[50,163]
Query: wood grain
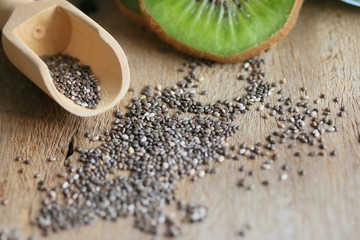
[321,53]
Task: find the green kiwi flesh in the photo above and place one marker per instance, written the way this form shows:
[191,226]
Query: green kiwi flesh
[221,29]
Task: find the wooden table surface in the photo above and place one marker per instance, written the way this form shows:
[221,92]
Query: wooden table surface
[322,53]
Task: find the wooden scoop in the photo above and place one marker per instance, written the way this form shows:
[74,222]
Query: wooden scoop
[36,28]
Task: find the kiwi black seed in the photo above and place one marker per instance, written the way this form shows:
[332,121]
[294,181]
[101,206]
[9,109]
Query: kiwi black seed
[131,9]
[221,30]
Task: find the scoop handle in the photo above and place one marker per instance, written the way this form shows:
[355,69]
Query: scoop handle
[7,7]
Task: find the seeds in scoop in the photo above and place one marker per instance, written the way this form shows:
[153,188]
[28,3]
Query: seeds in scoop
[74,80]
[131,150]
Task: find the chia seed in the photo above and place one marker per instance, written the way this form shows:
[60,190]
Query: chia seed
[196,213]
[159,146]
[5,202]
[74,80]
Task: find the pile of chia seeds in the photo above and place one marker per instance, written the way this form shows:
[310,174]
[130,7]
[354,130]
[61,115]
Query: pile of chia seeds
[74,80]
[157,142]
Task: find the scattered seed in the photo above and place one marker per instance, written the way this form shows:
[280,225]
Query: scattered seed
[65,185]
[221,159]
[5,202]
[32,237]
[204,92]
[241,234]
[283,177]
[173,230]
[242,169]
[302,172]
[285,167]
[27,162]
[250,187]
[196,213]
[158,146]
[201,173]
[95,138]
[37,175]
[266,116]
[212,170]
[305,97]
[266,166]
[265,183]
[246,65]
[333,153]
[159,87]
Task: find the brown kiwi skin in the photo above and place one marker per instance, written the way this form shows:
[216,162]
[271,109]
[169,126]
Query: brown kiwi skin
[130,14]
[249,53]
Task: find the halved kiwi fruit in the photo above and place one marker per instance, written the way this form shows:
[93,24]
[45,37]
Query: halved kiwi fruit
[131,9]
[221,30]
